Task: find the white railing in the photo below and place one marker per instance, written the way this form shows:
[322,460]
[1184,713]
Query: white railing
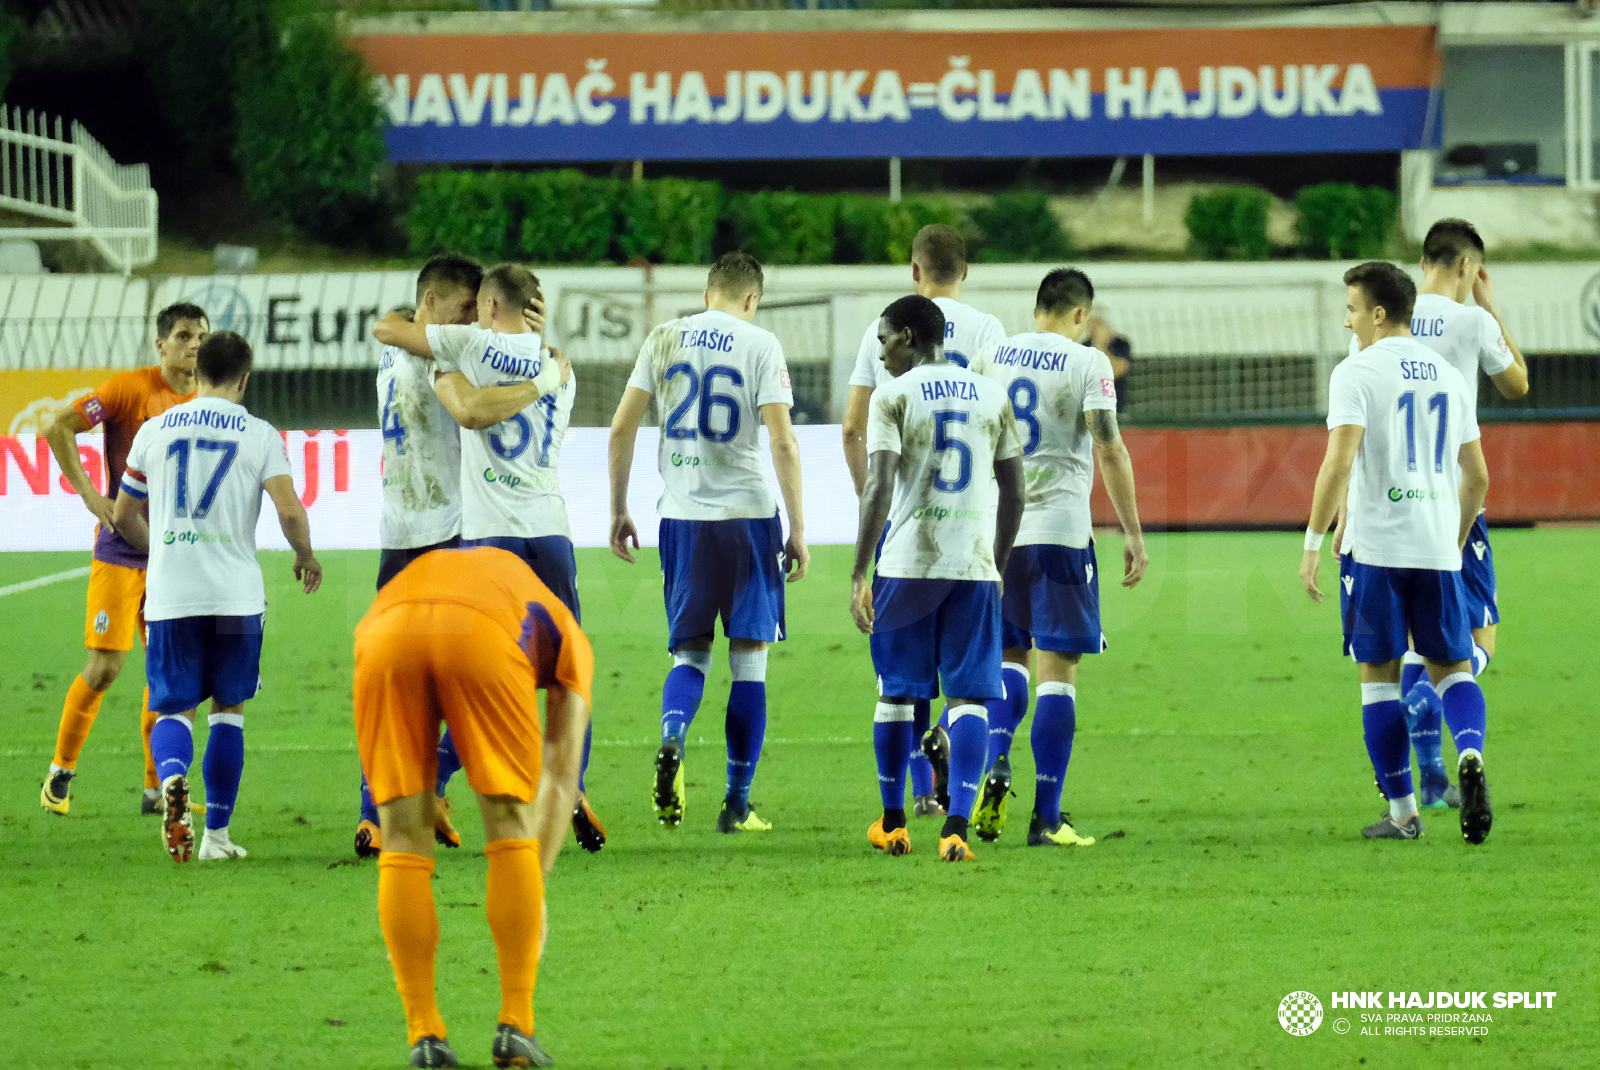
[78,186]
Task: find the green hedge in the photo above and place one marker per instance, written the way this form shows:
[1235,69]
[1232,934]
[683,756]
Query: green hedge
[1342,221]
[1230,223]
[566,217]
[1019,226]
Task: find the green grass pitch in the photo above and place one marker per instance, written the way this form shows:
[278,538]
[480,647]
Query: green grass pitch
[1219,760]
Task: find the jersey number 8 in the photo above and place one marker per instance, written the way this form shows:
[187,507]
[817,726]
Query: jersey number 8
[708,399]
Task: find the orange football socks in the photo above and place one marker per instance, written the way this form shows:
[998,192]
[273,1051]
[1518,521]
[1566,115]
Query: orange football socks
[512,903]
[77,717]
[147,721]
[410,927]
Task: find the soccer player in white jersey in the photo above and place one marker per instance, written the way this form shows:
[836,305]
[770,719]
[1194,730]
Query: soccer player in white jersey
[938,268]
[1469,338]
[935,433]
[716,377]
[202,467]
[1403,450]
[514,396]
[1065,400]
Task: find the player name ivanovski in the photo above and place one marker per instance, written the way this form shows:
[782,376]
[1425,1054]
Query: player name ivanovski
[949,388]
[1035,359]
[217,421]
[1424,1001]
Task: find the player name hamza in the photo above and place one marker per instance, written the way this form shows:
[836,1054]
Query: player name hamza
[221,421]
[949,388]
[1444,1000]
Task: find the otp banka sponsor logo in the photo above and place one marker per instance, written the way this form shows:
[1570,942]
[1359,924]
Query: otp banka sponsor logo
[226,308]
[1397,494]
[1300,1014]
[192,537]
[507,480]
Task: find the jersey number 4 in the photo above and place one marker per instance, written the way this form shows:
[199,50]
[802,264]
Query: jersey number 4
[709,400]
[181,449]
[1440,402]
[393,430]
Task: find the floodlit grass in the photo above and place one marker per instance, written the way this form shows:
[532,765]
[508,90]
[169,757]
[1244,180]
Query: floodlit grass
[1219,760]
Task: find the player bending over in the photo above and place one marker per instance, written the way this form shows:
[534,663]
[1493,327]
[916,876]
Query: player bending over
[203,465]
[934,434]
[465,637]
[513,396]
[1065,400]
[723,554]
[938,269]
[1469,338]
[117,573]
[1403,450]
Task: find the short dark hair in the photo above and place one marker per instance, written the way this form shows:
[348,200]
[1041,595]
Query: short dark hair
[736,274]
[1449,240]
[921,315]
[1386,286]
[940,251]
[224,358]
[513,282]
[168,317]
[448,269]
[1063,290]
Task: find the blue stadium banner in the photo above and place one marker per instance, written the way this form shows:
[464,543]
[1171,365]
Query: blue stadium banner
[876,93]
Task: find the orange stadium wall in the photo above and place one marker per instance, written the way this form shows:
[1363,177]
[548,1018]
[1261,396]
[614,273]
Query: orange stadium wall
[1262,476]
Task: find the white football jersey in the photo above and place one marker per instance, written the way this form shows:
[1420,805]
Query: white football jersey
[421,455]
[202,465]
[949,426]
[509,486]
[1465,335]
[1052,381]
[967,332]
[710,373]
[1404,503]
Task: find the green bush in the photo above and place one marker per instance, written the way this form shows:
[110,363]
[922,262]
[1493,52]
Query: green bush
[311,145]
[13,35]
[566,217]
[1230,223]
[871,230]
[198,53]
[464,212]
[1018,226]
[785,228]
[668,220]
[1342,221]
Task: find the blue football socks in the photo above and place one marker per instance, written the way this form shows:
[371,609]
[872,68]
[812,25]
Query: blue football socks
[449,762]
[681,694]
[369,809]
[588,741]
[1055,721]
[1465,711]
[172,745]
[893,732]
[1383,723]
[223,767]
[1005,714]
[746,725]
[1423,714]
[1480,660]
[969,746]
[921,768]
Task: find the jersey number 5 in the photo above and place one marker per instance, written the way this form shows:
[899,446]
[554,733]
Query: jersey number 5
[180,450]
[944,442]
[1440,402]
[709,400]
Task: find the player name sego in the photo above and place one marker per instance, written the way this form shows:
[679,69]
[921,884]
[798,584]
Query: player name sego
[961,94]
[1444,1000]
[219,421]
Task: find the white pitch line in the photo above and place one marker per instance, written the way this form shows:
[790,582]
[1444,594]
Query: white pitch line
[43,581]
